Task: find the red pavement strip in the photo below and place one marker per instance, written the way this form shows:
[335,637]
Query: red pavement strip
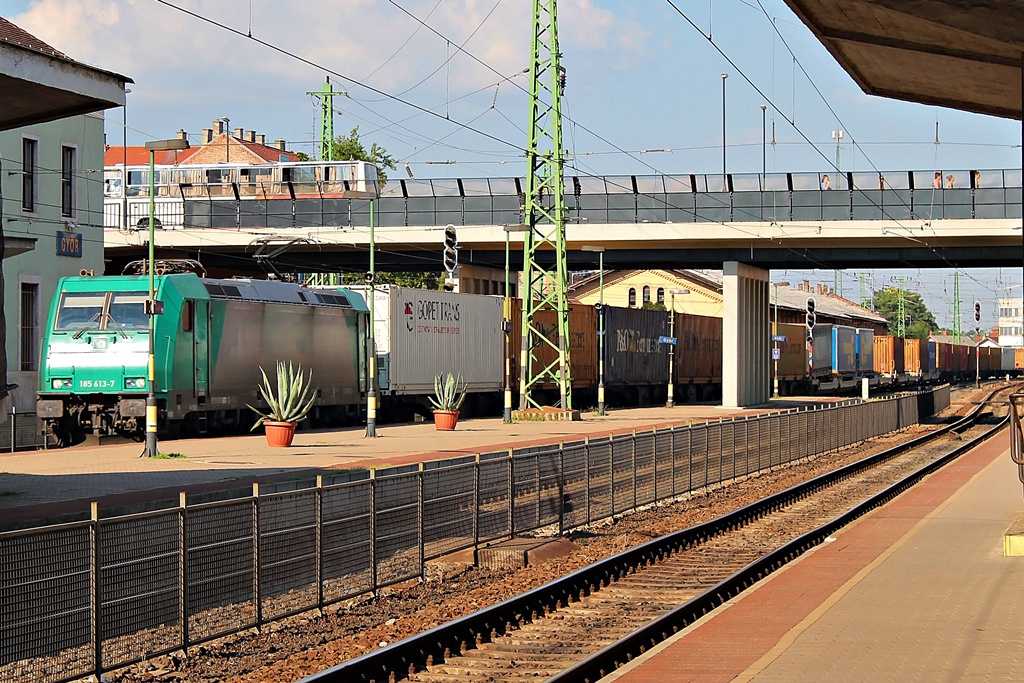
[758,625]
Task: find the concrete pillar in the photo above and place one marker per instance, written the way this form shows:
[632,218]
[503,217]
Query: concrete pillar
[746,333]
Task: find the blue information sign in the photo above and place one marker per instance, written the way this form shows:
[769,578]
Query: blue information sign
[69,244]
[779,337]
[667,340]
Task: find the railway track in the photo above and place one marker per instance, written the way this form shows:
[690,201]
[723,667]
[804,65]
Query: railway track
[583,626]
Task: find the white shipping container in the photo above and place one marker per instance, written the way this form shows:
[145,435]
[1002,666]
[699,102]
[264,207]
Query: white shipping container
[1007,359]
[422,333]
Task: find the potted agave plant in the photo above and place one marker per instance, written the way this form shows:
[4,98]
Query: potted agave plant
[449,393]
[291,403]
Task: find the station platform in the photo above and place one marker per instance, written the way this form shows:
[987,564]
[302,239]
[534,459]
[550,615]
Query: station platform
[47,486]
[917,590]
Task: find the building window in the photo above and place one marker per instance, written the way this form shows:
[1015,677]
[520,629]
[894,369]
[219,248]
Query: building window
[29,326]
[67,181]
[29,150]
[632,297]
[661,295]
[647,294]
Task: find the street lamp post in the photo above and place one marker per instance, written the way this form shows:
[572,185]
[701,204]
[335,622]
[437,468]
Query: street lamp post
[764,138]
[371,341]
[507,325]
[672,347]
[154,146]
[725,177]
[775,332]
[600,325]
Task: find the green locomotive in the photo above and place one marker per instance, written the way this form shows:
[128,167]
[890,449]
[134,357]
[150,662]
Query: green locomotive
[209,342]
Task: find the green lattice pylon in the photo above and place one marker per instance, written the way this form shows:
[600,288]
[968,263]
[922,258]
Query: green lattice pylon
[544,356]
[326,95]
[957,328]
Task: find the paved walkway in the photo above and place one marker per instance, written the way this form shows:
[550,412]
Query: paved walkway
[53,484]
[917,590]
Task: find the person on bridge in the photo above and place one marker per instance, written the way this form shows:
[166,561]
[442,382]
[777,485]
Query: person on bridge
[938,180]
[950,179]
[826,184]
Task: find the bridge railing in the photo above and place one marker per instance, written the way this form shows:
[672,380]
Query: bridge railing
[686,198]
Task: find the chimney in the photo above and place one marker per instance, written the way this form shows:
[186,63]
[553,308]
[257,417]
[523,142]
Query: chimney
[261,139]
[279,144]
[237,133]
[218,127]
[250,136]
[182,135]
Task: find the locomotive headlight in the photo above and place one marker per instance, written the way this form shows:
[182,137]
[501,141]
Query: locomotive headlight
[135,383]
[61,384]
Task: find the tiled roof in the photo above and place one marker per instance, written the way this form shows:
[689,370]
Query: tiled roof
[139,156]
[10,33]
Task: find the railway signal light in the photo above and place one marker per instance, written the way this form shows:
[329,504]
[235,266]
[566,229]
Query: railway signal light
[977,311]
[451,249]
[810,306]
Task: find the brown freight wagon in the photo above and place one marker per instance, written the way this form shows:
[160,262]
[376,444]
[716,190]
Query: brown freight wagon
[698,354]
[912,356]
[889,354]
[1018,359]
[582,342]
[991,360]
[961,358]
[793,355]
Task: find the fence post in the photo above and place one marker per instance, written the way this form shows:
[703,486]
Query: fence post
[632,463]
[97,637]
[476,504]
[183,569]
[561,487]
[373,530]
[319,543]
[611,473]
[586,464]
[256,553]
[14,427]
[422,524]
[511,494]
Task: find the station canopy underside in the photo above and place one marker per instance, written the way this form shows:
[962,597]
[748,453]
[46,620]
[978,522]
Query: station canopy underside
[963,54]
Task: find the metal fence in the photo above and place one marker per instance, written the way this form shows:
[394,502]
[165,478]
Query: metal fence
[88,597]
[22,431]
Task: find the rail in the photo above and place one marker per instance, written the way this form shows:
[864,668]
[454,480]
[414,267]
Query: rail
[87,597]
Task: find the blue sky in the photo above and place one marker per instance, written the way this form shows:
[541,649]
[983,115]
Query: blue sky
[639,77]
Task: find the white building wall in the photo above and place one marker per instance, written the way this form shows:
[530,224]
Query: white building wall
[43,267]
[1011,321]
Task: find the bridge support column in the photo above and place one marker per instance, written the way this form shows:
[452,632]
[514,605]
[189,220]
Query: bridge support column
[745,336]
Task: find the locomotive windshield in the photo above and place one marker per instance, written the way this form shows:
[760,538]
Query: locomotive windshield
[127,310]
[80,311]
[102,311]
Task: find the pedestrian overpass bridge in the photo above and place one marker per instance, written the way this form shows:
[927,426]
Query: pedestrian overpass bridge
[743,224]
[784,220]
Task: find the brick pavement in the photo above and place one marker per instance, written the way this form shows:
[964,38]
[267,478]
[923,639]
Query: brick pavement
[916,590]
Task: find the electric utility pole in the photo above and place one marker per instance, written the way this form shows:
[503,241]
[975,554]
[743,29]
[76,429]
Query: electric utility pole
[957,331]
[544,264]
[326,95]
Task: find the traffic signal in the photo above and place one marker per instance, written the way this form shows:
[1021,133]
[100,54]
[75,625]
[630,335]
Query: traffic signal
[810,312]
[977,311]
[451,249]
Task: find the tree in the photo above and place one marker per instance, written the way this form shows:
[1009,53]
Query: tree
[918,319]
[350,148]
[412,280]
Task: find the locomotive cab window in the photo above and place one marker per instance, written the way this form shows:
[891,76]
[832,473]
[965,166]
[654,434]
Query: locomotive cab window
[188,312]
[80,311]
[127,311]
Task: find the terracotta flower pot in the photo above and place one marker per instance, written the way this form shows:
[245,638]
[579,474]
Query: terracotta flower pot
[279,434]
[444,420]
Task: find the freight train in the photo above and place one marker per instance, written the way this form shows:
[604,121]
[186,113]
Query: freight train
[213,335]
